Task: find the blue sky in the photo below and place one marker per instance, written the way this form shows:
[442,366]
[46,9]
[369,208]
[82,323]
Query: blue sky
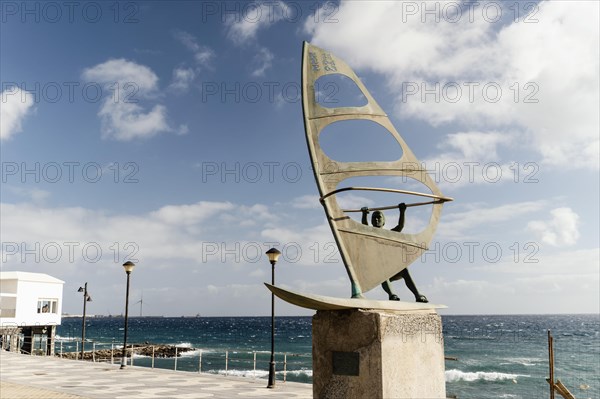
[172,133]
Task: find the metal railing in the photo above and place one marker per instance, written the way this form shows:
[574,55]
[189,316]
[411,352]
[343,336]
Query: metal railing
[227,362]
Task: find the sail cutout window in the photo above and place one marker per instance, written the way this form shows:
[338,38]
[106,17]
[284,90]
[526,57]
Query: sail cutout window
[358,140]
[417,214]
[336,90]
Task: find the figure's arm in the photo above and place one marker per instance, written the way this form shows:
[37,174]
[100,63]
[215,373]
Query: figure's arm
[400,226]
[365,212]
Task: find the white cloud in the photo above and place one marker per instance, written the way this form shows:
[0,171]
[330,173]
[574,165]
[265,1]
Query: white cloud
[536,281]
[352,201]
[477,145]
[190,214]
[121,115]
[123,72]
[542,293]
[182,78]
[170,232]
[182,129]
[338,287]
[193,245]
[125,121]
[471,158]
[203,55]
[258,211]
[216,244]
[34,195]
[280,101]
[552,63]
[536,260]
[309,246]
[16,104]
[461,225]
[258,273]
[263,60]
[242,27]
[306,202]
[561,230]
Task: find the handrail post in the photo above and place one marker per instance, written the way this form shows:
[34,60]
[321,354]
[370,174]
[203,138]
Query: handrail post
[200,362]
[551,364]
[112,350]
[77,350]
[152,356]
[175,367]
[284,366]
[254,368]
[94,352]
[131,355]
[61,349]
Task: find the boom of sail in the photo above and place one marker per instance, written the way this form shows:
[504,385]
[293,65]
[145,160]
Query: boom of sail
[371,255]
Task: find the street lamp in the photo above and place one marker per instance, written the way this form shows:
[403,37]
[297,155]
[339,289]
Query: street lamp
[128,269]
[86,298]
[273,255]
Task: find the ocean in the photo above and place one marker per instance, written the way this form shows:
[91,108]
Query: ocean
[497,356]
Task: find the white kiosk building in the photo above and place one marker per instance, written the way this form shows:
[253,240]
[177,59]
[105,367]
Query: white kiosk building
[30,310]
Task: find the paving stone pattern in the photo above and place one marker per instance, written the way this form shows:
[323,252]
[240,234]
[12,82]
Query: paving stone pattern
[38,377]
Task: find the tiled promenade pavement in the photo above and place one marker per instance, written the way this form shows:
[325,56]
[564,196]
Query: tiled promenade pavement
[38,377]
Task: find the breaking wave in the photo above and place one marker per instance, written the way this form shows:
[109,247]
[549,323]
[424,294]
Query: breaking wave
[457,375]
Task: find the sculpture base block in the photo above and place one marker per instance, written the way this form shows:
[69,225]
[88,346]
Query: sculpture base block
[378,354]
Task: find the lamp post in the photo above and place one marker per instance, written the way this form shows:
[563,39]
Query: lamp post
[128,269]
[86,298]
[273,255]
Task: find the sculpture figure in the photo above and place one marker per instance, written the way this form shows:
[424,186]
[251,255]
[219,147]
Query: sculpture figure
[378,221]
[359,244]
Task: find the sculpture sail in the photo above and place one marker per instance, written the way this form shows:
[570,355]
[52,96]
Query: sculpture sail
[371,255]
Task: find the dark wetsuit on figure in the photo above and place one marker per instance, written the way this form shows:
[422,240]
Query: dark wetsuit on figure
[378,220]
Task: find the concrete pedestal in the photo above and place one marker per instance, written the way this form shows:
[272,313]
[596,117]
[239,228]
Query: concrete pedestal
[378,354]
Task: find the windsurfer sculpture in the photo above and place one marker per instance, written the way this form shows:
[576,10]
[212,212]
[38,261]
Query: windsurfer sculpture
[378,221]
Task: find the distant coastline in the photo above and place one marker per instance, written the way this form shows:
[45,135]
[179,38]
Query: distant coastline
[71,315]
[110,316]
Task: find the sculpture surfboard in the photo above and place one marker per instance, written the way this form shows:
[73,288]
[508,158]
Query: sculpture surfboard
[320,302]
[371,255]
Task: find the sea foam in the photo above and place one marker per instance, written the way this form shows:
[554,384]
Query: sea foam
[259,373]
[457,375]
[524,361]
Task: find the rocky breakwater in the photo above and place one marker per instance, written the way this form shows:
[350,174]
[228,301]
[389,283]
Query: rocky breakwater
[164,351]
